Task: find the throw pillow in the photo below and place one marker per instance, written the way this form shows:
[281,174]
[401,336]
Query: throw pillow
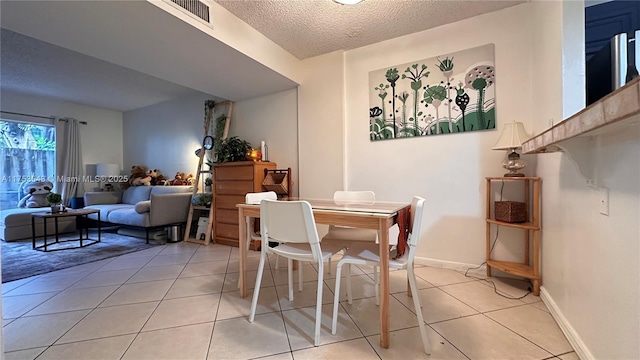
[143,206]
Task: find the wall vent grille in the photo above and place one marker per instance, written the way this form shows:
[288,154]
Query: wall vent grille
[195,7]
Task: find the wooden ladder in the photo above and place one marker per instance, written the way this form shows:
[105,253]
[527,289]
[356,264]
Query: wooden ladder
[209,107]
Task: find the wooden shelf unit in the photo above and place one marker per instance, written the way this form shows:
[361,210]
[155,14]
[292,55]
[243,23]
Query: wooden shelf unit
[529,268]
[195,210]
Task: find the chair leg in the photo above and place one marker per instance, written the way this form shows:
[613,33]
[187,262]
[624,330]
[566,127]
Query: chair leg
[349,297]
[290,278]
[256,289]
[376,285]
[416,304]
[316,341]
[299,276]
[336,299]
[329,269]
[277,261]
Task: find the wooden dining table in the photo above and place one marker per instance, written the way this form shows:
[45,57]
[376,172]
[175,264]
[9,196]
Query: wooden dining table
[377,215]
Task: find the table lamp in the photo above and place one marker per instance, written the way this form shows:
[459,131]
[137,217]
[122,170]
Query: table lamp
[511,139]
[107,173]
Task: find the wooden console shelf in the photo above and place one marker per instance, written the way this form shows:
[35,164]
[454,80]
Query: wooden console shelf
[232,181]
[618,111]
[615,113]
[529,268]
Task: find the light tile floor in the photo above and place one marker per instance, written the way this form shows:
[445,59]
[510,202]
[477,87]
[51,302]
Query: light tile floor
[181,301]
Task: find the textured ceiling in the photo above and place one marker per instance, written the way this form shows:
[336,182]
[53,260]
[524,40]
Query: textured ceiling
[307,28]
[40,62]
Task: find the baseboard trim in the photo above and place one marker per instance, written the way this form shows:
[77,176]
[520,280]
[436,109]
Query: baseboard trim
[452,265]
[572,336]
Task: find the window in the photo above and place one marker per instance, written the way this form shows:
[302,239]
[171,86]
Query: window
[28,153]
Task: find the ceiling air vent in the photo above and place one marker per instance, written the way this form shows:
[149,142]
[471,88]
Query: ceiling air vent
[194,7]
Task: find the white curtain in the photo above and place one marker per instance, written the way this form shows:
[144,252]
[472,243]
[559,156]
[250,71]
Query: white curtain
[72,167]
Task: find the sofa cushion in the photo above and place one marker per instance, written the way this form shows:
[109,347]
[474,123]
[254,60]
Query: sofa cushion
[129,217]
[106,209]
[101,197]
[135,194]
[159,190]
[143,206]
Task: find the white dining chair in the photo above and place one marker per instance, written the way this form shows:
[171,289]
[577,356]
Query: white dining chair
[344,235]
[255,199]
[292,225]
[368,254]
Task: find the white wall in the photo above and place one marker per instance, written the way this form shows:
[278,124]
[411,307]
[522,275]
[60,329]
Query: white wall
[274,119]
[165,136]
[591,272]
[448,170]
[101,138]
[321,105]
[589,263]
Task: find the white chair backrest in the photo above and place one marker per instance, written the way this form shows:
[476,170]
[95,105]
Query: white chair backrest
[256,198]
[288,221]
[354,197]
[415,223]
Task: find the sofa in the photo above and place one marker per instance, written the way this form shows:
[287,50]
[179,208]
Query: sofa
[146,207]
[15,224]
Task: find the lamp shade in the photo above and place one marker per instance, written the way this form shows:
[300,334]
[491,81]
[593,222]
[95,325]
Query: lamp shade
[103,169]
[512,137]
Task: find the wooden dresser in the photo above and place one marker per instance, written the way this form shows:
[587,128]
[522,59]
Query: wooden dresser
[232,181]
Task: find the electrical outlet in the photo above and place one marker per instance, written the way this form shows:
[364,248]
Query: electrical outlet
[604,201]
[591,183]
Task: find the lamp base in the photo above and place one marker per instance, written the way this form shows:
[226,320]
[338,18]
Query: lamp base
[513,164]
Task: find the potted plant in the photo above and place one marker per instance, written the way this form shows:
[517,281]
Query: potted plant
[54,200]
[203,199]
[232,149]
[207,184]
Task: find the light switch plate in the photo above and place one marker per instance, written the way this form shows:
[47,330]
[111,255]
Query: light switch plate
[604,201]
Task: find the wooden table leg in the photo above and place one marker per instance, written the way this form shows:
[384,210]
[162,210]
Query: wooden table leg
[44,221]
[33,231]
[242,243]
[383,236]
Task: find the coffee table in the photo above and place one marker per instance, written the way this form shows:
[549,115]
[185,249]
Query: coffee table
[78,213]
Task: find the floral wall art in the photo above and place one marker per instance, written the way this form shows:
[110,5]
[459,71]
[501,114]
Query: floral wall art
[446,94]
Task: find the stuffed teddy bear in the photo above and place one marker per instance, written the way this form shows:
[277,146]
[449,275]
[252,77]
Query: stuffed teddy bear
[156,177]
[36,194]
[178,179]
[189,180]
[139,176]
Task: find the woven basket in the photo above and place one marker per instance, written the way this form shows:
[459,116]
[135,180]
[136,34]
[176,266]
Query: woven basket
[276,182]
[510,211]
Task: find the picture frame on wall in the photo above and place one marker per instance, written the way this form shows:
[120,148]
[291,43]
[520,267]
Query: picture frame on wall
[446,94]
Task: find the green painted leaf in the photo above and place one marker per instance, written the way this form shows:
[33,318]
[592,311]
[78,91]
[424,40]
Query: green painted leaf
[479,83]
[435,93]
